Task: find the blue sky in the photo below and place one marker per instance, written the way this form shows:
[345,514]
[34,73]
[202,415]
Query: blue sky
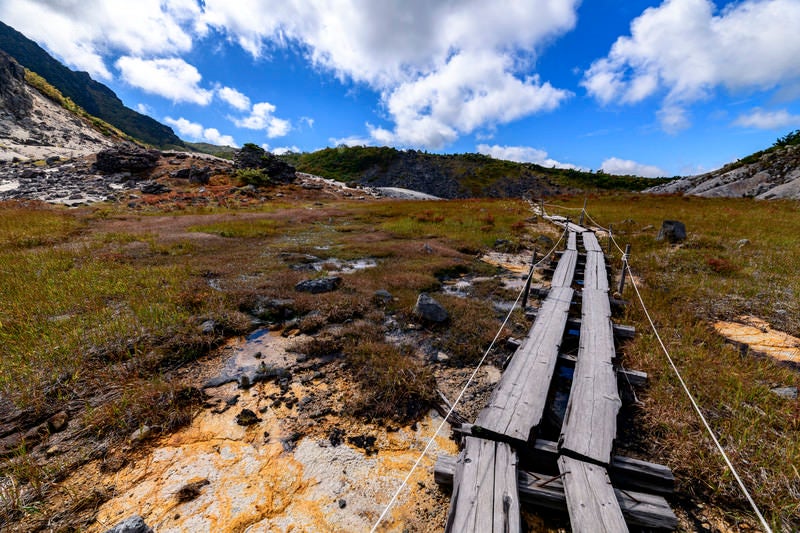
[654,88]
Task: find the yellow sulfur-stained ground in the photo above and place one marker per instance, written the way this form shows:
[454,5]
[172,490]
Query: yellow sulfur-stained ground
[760,337]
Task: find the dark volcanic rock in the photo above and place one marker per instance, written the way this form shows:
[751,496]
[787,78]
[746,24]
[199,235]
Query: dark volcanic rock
[673,231]
[429,309]
[13,96]
[252,156]
[126,158]
[247,418]
[316,286]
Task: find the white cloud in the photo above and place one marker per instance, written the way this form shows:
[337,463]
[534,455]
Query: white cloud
[522,154]
[196,132]
[443,69]
[768,120]
[625,167]
[352,140]
[171,78]
[144,109]
[234,98]
[308,121]
[262,118]
[685,49]
[280,150]
[83,33]
[471,91]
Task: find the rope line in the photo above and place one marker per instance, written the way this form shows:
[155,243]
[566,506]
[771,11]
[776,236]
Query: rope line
[463,390]
[697,409]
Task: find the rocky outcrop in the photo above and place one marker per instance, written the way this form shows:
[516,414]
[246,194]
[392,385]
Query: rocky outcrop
[126,158]
[774,174]
[255,157]
[14,98]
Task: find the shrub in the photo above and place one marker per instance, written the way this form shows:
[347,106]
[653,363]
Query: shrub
[253,176]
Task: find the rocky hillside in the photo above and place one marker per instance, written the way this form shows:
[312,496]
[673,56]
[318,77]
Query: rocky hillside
[97,99]
[454,175]
[766,175]
[34,127]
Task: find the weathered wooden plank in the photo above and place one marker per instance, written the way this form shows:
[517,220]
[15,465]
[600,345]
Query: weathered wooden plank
[595,275]
[621,331]
[485,497]
[564,272]
[625,472]
[590,243]
[518,400]
[562,221]
[590,421]
[572,241]
[591,502]
[641,510]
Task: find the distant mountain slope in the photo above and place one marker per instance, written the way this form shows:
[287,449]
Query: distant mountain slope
[454,176]
[769,174]
[94,97]
[36,125]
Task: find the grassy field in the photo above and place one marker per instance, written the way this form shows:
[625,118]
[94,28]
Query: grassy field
[714,275]
[100,308]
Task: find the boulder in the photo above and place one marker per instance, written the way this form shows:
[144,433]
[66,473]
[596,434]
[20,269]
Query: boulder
[316,286]
[133,524]
[153,187]
[672,231]
[430,310]
[126,157]
[252,156]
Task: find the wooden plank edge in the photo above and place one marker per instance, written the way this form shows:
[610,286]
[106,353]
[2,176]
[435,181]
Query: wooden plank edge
[639,509]
[625,472]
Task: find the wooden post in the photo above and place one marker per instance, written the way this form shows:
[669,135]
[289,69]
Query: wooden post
[624,268]
[610,237]
[541,206]
[583,211]
[528,283]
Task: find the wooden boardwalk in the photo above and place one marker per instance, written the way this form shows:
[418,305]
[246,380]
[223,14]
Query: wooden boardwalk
[487,486]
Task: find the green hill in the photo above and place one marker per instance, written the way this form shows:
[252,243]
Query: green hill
[97,99]
[455,175]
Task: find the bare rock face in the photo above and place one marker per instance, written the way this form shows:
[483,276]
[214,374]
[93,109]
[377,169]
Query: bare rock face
[13,96]
[126,158]
[252,156]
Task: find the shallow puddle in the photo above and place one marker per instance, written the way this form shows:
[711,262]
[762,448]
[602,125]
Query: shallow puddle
[760,337]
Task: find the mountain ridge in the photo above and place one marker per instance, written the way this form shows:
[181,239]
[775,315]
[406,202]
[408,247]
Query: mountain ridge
[96,98]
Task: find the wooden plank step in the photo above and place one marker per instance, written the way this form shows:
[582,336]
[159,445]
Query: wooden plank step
[590,243]
[640,510]
[564,272]
[595,273]
[636,378]
[572,241]
[621,331]
[485,496]
[562,221]
[590,421]
[591,502]
[625,472]
[518,400]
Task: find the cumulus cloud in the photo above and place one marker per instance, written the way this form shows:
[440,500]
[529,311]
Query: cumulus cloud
[261,118]
[625,167]
[443,69]
[768,120]
[352,140]
[172,78]
[685,49]
[196,132]
[522,154]
[234,98]
[83,33]
[281,150]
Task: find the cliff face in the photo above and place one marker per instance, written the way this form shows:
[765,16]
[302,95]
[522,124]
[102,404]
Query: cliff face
[14,98]
[97,99]
[774,174]
[33,127]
